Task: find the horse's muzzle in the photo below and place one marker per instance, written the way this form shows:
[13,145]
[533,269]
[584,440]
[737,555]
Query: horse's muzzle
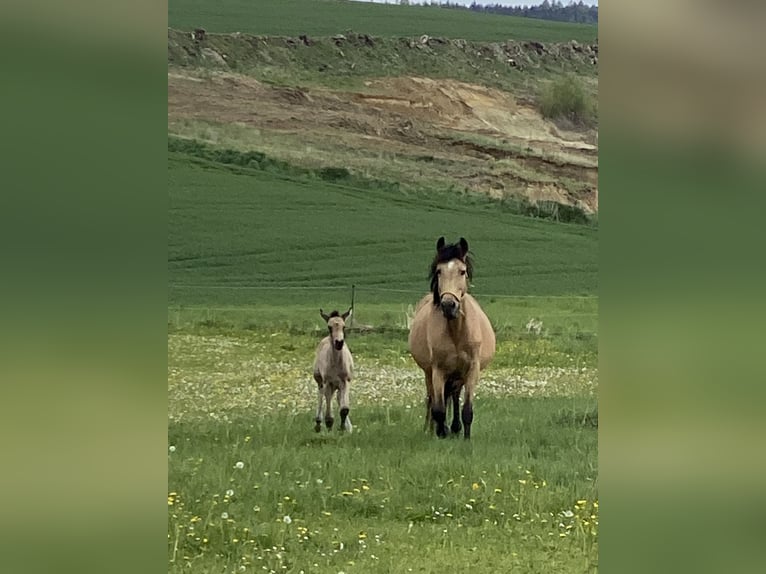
[450,307]
[338,345]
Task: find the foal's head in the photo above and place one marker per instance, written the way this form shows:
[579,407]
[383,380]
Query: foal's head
[451,270]
[336,323]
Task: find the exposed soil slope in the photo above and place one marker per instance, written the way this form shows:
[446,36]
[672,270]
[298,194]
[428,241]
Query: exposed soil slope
[411,128]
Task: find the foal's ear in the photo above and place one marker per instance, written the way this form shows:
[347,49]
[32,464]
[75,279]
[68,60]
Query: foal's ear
[325,317]
[346,314]
[463,246]
[440,244]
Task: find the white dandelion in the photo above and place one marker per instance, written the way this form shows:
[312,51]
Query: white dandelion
[240,465]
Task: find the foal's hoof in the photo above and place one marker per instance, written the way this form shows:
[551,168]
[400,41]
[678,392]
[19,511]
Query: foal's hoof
[318,426]
[456,428]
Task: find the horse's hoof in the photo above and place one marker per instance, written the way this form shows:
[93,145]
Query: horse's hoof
[318,427]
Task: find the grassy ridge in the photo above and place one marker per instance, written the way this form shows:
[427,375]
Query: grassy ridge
[325,18]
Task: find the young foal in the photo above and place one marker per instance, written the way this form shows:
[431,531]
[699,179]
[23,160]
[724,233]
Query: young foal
[333,369]
[451,338]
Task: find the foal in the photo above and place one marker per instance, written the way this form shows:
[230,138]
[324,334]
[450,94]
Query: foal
[333,369]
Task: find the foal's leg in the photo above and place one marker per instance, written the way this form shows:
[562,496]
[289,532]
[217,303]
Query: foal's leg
[328,420]
[438,407]
[343,403]
[318,416]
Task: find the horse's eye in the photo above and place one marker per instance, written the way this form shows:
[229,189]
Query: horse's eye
[462,271]
[438,271]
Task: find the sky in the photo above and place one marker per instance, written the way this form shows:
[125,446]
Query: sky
[492,2]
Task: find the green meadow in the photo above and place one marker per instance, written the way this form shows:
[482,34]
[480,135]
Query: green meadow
[256,245]
[252,255]
[329,17]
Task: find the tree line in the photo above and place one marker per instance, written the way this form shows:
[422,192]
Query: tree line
[555,10]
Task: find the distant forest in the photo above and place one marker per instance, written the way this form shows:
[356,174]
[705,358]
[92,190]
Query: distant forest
[573,12]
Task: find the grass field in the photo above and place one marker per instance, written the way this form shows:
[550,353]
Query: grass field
[233,231]
[329,17]
[263,493]
[252,254]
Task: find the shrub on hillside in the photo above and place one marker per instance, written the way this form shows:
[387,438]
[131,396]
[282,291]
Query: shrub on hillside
[566,99]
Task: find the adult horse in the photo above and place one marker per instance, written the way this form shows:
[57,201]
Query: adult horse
[451,338]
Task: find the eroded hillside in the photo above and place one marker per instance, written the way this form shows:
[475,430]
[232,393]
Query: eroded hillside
[477,131]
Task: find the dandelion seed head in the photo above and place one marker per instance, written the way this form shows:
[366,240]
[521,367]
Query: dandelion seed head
[172,448]
[239,465]
[286,519]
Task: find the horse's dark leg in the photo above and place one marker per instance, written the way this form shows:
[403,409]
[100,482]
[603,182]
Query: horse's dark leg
[471,380]
[467,418]
[429,423]
[455,391]
[438,407]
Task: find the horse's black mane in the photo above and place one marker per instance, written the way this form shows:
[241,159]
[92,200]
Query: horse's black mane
[334,314]
[448,253]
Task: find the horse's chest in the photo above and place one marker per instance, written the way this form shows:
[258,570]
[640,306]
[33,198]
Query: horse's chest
[455,357]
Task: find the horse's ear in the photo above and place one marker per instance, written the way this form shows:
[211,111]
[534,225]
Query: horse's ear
[440,244]
[346,314]
[325,317]
[463,247]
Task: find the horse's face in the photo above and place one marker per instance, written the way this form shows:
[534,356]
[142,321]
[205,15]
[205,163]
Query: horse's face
[451,286]
[336,326]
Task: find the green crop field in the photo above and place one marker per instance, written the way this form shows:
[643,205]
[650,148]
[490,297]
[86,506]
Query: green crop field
[230,232]
[327,17]
[252,255]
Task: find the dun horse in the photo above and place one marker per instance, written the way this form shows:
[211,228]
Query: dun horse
[451,338]
[333,369]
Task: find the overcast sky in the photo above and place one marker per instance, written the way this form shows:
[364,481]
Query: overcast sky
[484,2]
